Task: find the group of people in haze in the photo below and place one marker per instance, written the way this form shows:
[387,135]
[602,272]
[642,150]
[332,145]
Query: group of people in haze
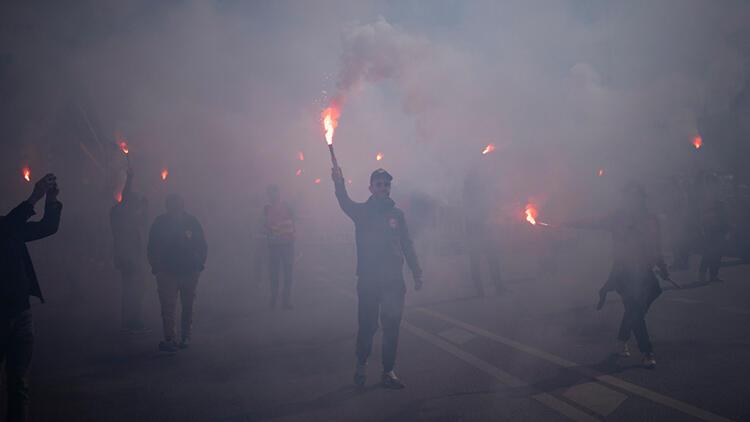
[176,250]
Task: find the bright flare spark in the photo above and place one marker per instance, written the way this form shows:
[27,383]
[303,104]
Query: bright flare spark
[301,156]
[124,147]
[330,118]
[164,174]
[600,172]
[118,197]
[299,171]
[317,181]
[379,156]
[488,149]
[531,214]
[698,142]
[27,174]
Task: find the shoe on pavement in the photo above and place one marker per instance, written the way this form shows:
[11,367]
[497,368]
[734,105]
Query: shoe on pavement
[360,375]
[622,350]
[649,361]
[391,381]
[168,346]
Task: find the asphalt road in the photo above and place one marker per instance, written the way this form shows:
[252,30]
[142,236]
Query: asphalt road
[539,352]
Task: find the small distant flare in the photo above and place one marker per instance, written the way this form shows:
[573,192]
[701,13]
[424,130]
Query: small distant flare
[317,181]
[118,197]
[298,172]
[164,174]
[600,172]
[301,156]
[379,156]
[697,142]
[488,149]
[27,174]
[124,147]
[531,214]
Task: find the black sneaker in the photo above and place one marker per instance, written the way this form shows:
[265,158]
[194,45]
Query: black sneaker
[167,347]
[391,381]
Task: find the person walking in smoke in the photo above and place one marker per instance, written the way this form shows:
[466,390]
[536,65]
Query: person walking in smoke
[177,254]
[637,251]
[17,282]
[714,228]
[128,220]
[278,224]
[383,242]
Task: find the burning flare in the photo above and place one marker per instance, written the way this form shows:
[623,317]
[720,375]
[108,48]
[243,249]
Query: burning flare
[301,156]
[124,147]
[698,142]
[299,171]
[488,149]
[379,156]
[164,174]
[531,214]
[317,181]
[600,173]
[27,174]
[330,118]
[118,197]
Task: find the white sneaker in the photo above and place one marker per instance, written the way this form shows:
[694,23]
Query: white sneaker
[649,360]
[622,350]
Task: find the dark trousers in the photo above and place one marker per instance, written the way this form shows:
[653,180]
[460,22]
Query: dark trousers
[490,250]
[133,290]
[16,346]
[170,286]
[281,257]
[384,302]
[711,258]
[634,320]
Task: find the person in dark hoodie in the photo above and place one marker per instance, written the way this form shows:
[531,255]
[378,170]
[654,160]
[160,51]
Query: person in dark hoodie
[636,244]
[177,253]
[714,230]
[383,242]
[18,281]
[128,221]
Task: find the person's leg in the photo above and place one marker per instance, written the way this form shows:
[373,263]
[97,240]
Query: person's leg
[188,286]
[714,260]
[367,317]
[492,250]
[475,255]
[126,277]
[139,292]
[168,287]
[287,262]
[391,310]
[19,349]
[274,266]
[703,269]
[641,334]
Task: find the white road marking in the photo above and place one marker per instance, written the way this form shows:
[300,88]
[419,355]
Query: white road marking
[596,397]
[457,335]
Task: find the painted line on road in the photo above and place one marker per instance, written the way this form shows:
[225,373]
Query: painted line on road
[503,377]
[605,379]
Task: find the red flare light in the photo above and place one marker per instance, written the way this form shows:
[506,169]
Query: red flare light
[330,117]
[488,149]
[379,156]
[600,173]
[164,174]
[124,147]
[27,174]
[531,214]
[118,197]
[698,142]
[299,171]
[301,156]
[317,181]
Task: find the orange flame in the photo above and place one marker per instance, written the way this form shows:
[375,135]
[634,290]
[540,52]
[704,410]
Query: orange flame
[600,172]
[124,147]
[299,171]
[27,174]
[301,156]
[379,156]
[317,181]
[531,214]
[698,142]
[330,118]
[118,197]
[164,174]
[488,149]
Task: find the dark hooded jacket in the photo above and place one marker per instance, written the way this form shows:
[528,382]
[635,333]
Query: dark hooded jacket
[383,241]
[176,245]
[18,279]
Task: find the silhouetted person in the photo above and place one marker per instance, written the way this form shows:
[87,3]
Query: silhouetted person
[715,227]
[17,282]
[278,224]
[383,243]
[177,253]
[637,251]
[481,235]
[128,220]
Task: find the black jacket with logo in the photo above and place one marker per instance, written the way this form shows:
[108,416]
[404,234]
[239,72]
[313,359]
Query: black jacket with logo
[383,240]
[18,279]
[176,245]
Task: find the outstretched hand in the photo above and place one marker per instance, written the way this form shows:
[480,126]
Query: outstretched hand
[42,187]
